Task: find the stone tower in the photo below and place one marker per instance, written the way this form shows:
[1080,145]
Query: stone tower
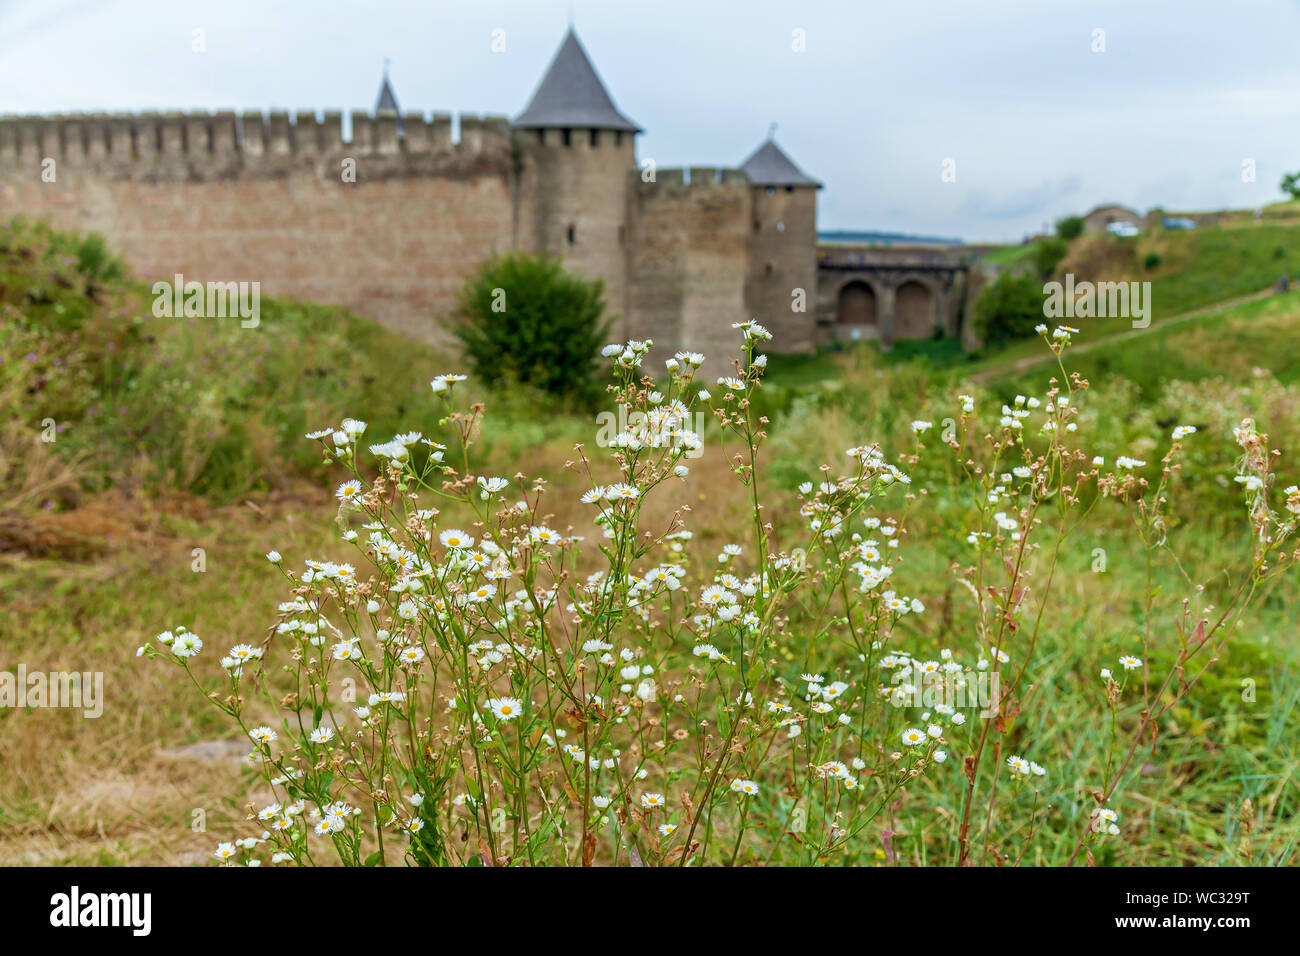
[575,153]
[781,287]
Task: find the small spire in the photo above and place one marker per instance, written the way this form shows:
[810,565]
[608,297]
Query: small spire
[771,131]
[387,101]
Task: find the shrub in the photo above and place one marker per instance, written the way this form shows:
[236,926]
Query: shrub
[1071,227]
[1008,308]
[1049,255]
[1291,185]
[96,261]
[531,696]
[1151,261]
[524,319]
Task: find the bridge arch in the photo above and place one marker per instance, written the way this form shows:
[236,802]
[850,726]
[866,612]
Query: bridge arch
[916,307]
[857,304]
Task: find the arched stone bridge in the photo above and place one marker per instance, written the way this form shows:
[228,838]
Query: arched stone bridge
[888,293]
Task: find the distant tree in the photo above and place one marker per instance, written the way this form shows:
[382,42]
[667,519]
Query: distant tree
[1291,185]
[1071,227]
[1009,308]
[525,319]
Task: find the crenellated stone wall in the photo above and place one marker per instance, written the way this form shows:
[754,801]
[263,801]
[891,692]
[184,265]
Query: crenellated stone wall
[390,220]
[388,227]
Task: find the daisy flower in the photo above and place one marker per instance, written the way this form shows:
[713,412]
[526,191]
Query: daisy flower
[349,491]
[455,539]
[186,645]
[505,708]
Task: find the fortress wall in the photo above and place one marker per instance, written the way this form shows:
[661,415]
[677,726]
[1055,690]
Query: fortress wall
[250,197]
[687,263]
[229,196]
[782,260]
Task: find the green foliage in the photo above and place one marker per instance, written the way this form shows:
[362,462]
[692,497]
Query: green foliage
[1151,261]
[1291,185]
[1070,227]
[96,261]
[524,319]
[1048,256]
[1008,309]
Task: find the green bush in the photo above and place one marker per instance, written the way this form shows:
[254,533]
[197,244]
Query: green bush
[1071,227]
[1291,185]
[1152,261]
[1008,309]
[96,261]
[524,319]
[1048,256]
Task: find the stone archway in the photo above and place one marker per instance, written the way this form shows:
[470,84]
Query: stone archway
[856,304]
[914,315]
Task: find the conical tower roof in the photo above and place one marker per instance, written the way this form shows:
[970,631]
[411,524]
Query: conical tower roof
[387,101]
[770,166]
[571,94]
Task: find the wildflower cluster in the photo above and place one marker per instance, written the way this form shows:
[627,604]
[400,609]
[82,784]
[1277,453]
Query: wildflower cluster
[479,683]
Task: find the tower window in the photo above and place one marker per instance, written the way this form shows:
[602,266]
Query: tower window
[768,270]
[571,235]
[758,226]
[620,235]
[769,190]
[595,138]
[789,189]
[780,227]
[618,137]
[541,136]
[566,136]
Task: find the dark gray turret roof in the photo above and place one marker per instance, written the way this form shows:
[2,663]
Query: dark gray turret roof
[386,101]
[571,94]
[770,166]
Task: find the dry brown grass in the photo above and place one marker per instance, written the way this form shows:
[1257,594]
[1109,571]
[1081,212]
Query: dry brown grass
[82,588]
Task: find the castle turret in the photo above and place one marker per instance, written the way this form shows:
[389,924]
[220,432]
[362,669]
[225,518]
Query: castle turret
[781,289]
[576,151]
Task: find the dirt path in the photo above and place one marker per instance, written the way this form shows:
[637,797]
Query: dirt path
[1016,366]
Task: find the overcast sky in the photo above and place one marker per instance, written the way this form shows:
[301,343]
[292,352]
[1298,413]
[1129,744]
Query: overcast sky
[1036,123]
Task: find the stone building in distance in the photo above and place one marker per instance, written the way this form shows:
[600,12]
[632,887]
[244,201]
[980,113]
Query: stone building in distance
[390,222]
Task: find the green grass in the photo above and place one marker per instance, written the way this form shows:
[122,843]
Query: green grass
[203,405]
[1236,344]
[1203,266]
